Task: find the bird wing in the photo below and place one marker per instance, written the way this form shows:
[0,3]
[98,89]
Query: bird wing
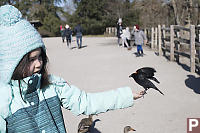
[154,79]
[147,70]
[148,84]
[140,78]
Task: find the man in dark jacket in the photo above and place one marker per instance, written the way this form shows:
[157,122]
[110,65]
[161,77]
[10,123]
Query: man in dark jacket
[119,30]
[68,34]
[78,31]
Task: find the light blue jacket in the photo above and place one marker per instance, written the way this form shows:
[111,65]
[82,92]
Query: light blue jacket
[13,100]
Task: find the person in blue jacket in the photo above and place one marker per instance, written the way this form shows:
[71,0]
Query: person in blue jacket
[31,99]
[79,33]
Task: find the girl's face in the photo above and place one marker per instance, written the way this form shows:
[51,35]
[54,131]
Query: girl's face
[35,62]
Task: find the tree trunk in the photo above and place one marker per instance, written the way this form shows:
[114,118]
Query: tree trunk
[177,20]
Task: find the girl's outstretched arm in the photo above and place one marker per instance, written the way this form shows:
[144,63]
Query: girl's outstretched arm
[80,102]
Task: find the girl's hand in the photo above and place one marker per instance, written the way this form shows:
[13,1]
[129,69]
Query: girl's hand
[138,95]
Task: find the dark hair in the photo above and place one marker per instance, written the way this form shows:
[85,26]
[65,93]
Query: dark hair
[21,70]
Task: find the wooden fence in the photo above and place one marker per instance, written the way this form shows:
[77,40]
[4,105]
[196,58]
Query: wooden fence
[177,40]
[111,31]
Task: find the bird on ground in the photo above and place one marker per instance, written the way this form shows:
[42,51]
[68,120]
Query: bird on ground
[142,76]
[128,128]
[85,124]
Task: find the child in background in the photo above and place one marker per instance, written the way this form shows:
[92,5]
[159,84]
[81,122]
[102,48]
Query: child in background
[126,35]
[62,30]
[31,99]
[140,39]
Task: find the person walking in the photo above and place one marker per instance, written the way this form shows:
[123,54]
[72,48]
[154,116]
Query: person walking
[78,31]
[126,35]
[140,39]
[31,99]
[119,31]
[62,30]
[68,34]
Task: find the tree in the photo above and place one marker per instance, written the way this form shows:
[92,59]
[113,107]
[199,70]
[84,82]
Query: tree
[43,10]
[151,12]
[91,14]
[176,12]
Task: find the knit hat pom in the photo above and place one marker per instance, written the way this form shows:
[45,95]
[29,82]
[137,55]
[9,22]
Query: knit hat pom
[9,15]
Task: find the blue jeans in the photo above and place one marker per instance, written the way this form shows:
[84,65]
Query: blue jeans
[79,41]
[139,48]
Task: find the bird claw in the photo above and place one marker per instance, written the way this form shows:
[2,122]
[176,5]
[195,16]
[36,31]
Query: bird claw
[145,92]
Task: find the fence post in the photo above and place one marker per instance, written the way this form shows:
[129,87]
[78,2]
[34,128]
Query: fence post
[156,38]
[192,48]
[109,30]
[164,41]
[145,32]
[152,37]
[159,40]
[171,42]
[115,31]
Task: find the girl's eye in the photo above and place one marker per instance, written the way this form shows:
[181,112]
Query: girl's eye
[31,60]
[36,58]
[40,58]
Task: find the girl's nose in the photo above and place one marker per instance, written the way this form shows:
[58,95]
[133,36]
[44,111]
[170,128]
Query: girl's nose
[38,63]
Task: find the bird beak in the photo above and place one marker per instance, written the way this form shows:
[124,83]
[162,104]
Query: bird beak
[132,74]
[133,129]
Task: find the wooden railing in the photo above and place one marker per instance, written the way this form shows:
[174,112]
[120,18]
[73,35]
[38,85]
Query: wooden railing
[111,31]
[172,39]
[178,36]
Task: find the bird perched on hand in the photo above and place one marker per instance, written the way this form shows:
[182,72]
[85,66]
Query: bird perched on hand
[142,76]
[128,128]
[85,124]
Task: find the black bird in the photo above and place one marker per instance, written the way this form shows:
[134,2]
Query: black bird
[142,76]
[149,71]
[85,124]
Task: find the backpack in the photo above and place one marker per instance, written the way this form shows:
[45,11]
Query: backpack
[67,33]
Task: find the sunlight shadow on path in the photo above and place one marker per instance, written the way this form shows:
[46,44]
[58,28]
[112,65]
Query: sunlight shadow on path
[193,83]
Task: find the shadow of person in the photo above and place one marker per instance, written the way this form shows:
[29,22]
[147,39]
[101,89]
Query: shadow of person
[184,66]
[193,83]
[156,53]
[84,46]
[93,129]
[138,55]
[73,47]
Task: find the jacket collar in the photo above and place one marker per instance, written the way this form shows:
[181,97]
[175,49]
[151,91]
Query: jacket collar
[28,84]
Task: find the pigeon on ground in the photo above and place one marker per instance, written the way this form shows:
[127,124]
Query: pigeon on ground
[142,76]
[128,128]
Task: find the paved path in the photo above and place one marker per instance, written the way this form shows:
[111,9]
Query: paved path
[102,65]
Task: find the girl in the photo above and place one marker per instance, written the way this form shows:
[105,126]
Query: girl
[62,30]
[31,99]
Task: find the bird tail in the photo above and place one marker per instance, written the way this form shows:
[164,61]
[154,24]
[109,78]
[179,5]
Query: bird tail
[159,90]
[155,79]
